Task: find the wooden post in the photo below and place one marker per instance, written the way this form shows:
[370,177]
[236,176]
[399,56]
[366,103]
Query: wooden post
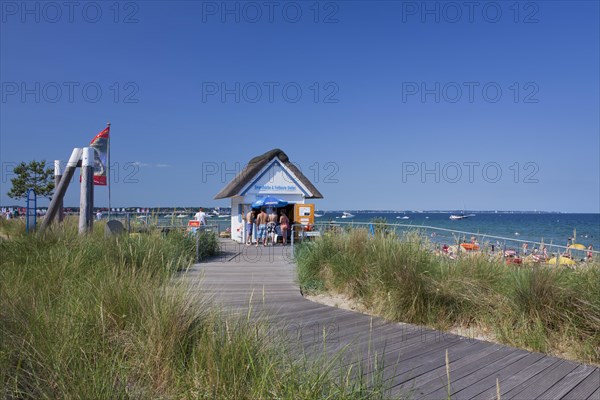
[86,199]
[60,191]
[60,215]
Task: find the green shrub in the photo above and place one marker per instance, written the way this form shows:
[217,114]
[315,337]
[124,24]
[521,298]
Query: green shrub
[208,245]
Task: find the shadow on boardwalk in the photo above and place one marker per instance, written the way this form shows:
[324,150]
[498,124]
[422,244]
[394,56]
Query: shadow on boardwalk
[261,283]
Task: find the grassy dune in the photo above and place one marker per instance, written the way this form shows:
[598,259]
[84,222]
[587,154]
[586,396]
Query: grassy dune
[91,317]
[551,310]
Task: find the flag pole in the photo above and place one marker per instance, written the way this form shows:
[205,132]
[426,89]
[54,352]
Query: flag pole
[108,171]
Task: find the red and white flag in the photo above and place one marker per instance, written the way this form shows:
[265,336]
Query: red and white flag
[100,144]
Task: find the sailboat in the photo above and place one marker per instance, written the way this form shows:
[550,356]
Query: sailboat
[462,215]
[403,217]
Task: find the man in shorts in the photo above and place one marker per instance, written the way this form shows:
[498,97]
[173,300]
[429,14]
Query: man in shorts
[261,231]
[249,224]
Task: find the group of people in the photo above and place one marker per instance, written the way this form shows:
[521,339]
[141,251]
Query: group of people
[15,213]
[10,213]
[266,226]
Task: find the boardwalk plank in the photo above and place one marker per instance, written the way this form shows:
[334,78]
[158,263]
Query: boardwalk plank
[533,388]
[393,342]
[480,371]
[562,387]
[509,383]
[490,381]
[585,388]
[418,359]
[458,359]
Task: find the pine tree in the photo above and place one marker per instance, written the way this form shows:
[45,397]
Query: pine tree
[36,175]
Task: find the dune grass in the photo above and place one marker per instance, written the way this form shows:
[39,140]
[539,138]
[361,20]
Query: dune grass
[551,310]
[95,317]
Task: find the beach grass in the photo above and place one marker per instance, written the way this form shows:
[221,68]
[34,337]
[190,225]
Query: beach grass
[540,308]
[95,317]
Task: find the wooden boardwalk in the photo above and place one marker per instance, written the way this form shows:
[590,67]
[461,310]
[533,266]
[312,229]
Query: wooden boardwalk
[410,359]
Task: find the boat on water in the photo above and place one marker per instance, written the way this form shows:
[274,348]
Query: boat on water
[456,217]
[347,215]
[217,213]
[403,216]
[319,214]
[182,216]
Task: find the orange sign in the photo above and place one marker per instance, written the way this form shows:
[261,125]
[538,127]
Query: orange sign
[194,223]
[304,214]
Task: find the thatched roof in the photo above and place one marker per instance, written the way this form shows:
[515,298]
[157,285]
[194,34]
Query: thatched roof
[253,168]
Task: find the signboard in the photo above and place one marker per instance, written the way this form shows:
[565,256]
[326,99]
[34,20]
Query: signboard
[304,214]
[194,223]
[274,181]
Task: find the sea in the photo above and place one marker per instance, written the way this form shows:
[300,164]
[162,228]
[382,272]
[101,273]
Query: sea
[549,228]
[515,227]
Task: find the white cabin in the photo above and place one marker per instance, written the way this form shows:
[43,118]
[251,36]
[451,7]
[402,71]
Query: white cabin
[271,174]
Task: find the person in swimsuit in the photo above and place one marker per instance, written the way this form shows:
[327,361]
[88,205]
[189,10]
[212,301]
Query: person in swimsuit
[284,224]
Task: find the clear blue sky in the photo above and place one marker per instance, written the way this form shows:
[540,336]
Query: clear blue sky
[370,130]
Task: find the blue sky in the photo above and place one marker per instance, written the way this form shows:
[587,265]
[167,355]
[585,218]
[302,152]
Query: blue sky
[384,105]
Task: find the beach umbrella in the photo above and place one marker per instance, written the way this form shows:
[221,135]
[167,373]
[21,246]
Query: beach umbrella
[577,246]
[561,261]
[269,201]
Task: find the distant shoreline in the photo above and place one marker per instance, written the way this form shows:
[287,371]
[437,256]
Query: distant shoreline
[367,211]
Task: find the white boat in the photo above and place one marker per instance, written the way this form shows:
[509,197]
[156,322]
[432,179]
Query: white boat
[182,216]
[403,216]
[347,215]
[455,217]
[217,213]
[319,214]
